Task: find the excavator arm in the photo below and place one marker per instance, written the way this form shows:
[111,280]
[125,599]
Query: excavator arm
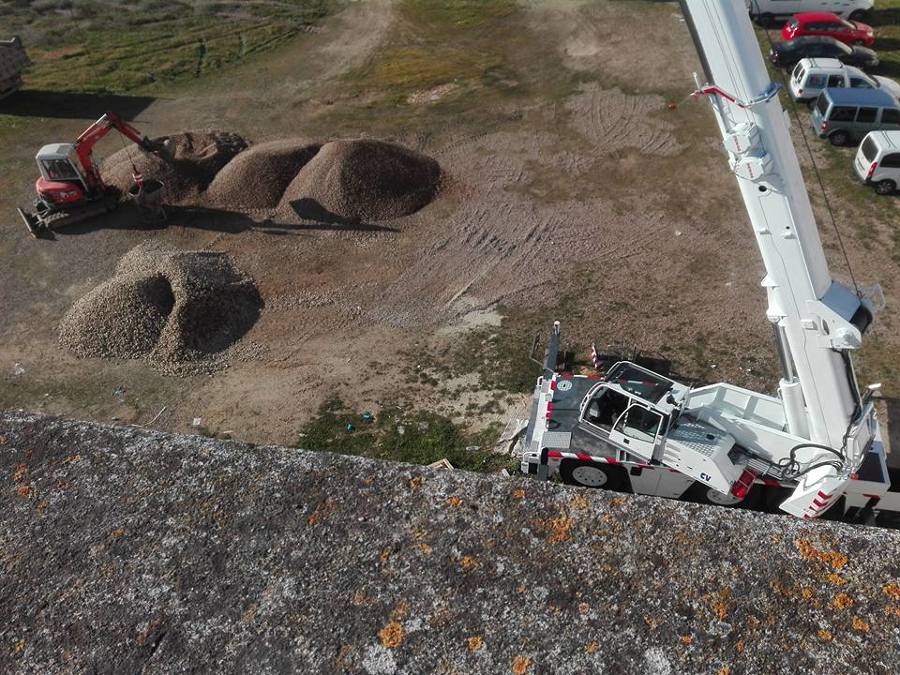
[84,144]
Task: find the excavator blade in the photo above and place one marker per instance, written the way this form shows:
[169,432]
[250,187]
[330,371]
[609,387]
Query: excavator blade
[31,222]
[815,494]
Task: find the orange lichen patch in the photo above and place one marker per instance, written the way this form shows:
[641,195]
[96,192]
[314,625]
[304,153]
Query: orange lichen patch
[118,532]
[424,548]
[559,528]
[392,635]
[579,502]
[385,554]
[360,598]
[249,615]
[583,608]
[42,505]
[468,562]
[835,579]
[521,665]
[322,510]
[721,604]
[651,621]
[475,643]
[618,501]
[810,552]
[724,670]
[825,635]
[591,647]
[18,647]
[24,491]
[739,647]
[860,625]
[687,640]
[519,494]
[892,590]
[807,593]
[401,611]
[416,483]
[19,472]
[894,611]
[842,601]
[454,501]
[71,459]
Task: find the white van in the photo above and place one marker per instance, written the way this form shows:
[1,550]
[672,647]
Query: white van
[766,11]
[877,162]
[811,76]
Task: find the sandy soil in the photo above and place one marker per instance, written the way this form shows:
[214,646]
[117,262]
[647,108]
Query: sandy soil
[604,198]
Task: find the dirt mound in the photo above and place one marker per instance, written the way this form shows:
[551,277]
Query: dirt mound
[197,158]
[257,177]
[361,180]
[179,309]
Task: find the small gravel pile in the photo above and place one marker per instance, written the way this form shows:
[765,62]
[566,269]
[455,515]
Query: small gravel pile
[197,158]
[179,309]
[257,177]
[361,180]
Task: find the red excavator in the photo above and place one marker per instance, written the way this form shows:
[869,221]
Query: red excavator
[70,187]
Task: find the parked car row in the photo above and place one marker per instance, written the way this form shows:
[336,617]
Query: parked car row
[827,52]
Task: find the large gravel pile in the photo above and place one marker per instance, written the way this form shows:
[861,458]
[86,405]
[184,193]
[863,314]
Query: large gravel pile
[361,180]
[179,309]
[198,157]
[257,177]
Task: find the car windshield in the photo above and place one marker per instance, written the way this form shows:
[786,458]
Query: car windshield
[869,149]
[649,386]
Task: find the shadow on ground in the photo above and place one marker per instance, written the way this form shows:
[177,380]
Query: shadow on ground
[128,217]
[37,103]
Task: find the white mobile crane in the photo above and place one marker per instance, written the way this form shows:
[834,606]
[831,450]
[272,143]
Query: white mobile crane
[813,448]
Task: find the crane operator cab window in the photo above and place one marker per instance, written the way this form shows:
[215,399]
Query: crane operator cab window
[640,423]
[605,408]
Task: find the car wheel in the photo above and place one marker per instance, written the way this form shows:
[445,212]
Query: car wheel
[839,138]
[885,187]
[591,475]
[704,494]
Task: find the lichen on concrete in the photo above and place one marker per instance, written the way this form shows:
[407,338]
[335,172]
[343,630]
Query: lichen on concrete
[127,550]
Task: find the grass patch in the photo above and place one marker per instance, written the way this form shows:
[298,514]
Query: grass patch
[98,47]
[401,435]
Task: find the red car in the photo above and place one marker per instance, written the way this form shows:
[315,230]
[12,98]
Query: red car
[831,25]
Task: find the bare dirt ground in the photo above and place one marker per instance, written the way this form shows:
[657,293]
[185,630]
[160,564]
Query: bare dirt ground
[571,192]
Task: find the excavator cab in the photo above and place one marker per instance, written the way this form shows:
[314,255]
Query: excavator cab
[62,182]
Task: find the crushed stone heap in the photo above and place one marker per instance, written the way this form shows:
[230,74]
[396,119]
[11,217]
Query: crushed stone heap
[198,156]
[179,309]
[129,550]
[361,180]
[257,177]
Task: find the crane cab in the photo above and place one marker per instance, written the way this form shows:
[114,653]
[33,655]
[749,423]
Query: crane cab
[62,182]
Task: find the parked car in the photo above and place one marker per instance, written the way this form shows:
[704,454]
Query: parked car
[877,162]
[787,54]
[844,116]
[811,76]
[826,24]
[766,11]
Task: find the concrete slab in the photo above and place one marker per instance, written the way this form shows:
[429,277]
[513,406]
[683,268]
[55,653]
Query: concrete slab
[125,550]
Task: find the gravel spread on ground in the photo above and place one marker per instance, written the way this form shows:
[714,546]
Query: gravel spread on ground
[179,309]
[127,550]
[257,177]
[197,156]
[361,180]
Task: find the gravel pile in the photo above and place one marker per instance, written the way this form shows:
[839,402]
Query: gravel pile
[198,157]
[179,309]
[257,177]
[361,180]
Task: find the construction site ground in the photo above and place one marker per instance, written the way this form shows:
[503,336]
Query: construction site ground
[572,191]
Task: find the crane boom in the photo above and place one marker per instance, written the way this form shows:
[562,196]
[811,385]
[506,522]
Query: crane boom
[818,321]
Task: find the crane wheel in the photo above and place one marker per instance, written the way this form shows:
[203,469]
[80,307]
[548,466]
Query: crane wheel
[591,475]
